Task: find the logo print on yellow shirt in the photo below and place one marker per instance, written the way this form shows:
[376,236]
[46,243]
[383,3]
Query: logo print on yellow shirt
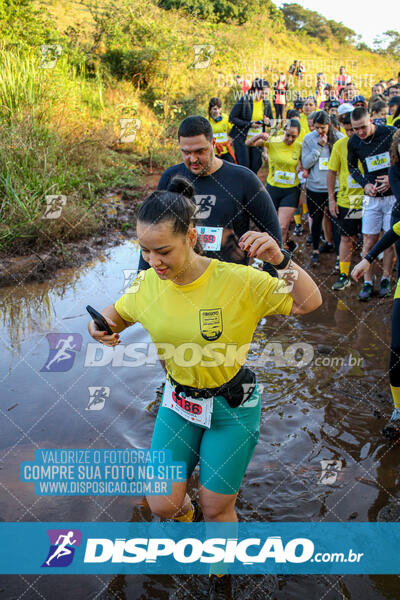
[211,323]
[136,283]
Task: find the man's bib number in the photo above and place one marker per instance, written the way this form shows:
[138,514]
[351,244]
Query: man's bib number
[323,164]
[195,411]
[210,238]
[253,131]
[285,177]
[377,162]
[220,138]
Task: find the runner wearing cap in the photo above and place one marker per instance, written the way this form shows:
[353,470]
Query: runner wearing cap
[332,106]
[359,101]
[346,107]
[370,145]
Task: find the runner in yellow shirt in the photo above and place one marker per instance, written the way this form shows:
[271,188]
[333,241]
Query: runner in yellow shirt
[346,205]
[220,125]
[201,313]
[309,106]
[284,163]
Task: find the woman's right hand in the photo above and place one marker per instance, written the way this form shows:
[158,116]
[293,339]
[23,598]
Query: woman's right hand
[102,336]
[360,269]
[333,208]
[322,140]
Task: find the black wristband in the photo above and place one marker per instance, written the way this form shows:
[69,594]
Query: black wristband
[287,256]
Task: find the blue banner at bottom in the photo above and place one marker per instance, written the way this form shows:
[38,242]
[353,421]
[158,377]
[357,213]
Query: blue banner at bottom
[199,548]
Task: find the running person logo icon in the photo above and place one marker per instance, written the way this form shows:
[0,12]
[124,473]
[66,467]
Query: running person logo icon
[54,206]
[98,397]
[205,204]
[62,547]
[62,351]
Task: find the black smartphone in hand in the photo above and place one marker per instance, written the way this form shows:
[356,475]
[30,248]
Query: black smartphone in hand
[99,320]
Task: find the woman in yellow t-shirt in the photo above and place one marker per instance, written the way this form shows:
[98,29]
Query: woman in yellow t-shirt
[284,163]
[220,125]
[309,106]
[201,314]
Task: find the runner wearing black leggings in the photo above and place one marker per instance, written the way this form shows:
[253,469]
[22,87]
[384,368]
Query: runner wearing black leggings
[315,154]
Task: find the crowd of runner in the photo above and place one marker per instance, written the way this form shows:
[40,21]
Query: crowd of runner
[332,166]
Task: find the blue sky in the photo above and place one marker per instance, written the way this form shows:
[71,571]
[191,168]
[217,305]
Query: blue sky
[367,18]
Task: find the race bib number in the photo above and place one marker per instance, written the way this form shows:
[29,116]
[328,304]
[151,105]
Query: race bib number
[253,131]
[377,162]
[352,184]
[210,238]
[323,164]
[285,177]
[220,138]
[195,411]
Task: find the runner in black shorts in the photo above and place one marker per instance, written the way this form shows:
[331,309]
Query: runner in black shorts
[284,163]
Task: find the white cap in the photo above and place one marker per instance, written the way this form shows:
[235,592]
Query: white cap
[345,108]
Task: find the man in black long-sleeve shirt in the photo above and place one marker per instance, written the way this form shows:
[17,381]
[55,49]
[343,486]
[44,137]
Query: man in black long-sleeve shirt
[228,196]
[371,144]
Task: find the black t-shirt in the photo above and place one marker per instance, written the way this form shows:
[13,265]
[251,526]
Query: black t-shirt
[372,151]
[231,198]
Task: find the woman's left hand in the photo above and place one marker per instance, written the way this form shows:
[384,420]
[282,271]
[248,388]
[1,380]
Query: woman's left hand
[261,245]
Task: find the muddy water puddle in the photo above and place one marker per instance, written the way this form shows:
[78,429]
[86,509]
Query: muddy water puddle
[321,455]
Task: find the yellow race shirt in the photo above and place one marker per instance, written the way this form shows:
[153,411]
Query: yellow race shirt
[258,111]
[304,127]
[350,194]
[257,115]
[283,160]
[203,329]
[220,129]
[389,120]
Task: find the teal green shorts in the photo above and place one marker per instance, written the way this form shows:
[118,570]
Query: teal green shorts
[224,450]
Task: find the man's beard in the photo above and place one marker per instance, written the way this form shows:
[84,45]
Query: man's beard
[206,168]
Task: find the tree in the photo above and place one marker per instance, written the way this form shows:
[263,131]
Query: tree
[315,25]
[388,43]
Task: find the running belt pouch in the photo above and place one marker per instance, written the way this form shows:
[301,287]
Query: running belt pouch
[236,391]
[242,388]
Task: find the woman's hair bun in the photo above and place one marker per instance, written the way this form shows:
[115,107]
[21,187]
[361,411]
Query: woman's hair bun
[180,185]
